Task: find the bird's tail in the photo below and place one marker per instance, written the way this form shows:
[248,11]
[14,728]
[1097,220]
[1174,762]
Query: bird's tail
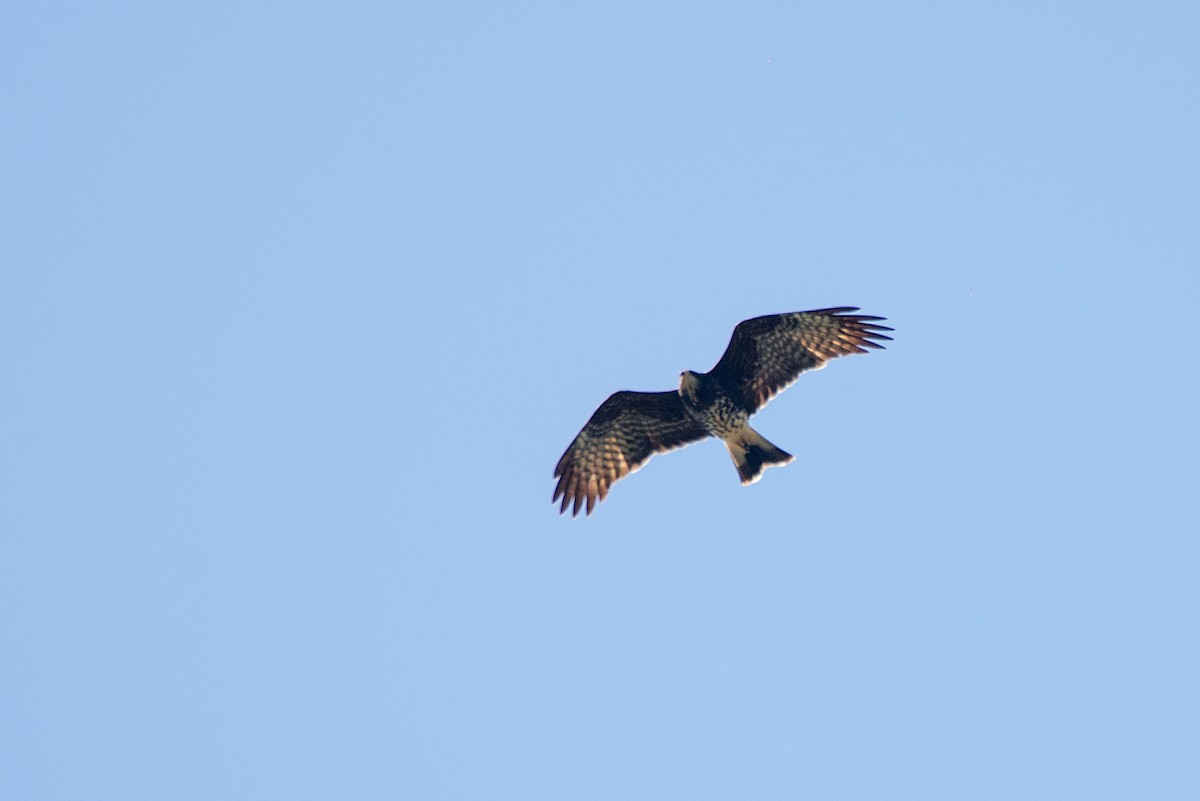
[752,453]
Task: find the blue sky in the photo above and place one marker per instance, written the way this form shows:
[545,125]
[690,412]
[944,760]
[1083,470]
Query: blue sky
[302,302]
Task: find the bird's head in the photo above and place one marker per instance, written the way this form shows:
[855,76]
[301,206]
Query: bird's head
[689,386]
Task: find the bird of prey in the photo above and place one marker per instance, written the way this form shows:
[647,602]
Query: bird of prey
[764,356]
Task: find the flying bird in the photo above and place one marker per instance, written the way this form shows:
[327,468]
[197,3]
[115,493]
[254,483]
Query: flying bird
[764,356]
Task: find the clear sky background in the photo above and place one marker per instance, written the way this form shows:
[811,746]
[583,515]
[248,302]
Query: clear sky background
[301,303]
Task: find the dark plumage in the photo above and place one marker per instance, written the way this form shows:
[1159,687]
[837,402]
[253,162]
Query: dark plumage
[764,356]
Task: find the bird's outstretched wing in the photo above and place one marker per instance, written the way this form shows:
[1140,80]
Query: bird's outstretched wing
[621,436]
[766,354]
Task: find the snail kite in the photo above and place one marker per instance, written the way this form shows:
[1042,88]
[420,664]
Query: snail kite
[765,355]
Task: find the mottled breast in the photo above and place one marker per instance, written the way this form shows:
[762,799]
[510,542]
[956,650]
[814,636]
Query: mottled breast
[707,402]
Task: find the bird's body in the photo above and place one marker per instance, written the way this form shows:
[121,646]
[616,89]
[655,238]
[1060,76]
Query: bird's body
[764,356]
[707,401]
